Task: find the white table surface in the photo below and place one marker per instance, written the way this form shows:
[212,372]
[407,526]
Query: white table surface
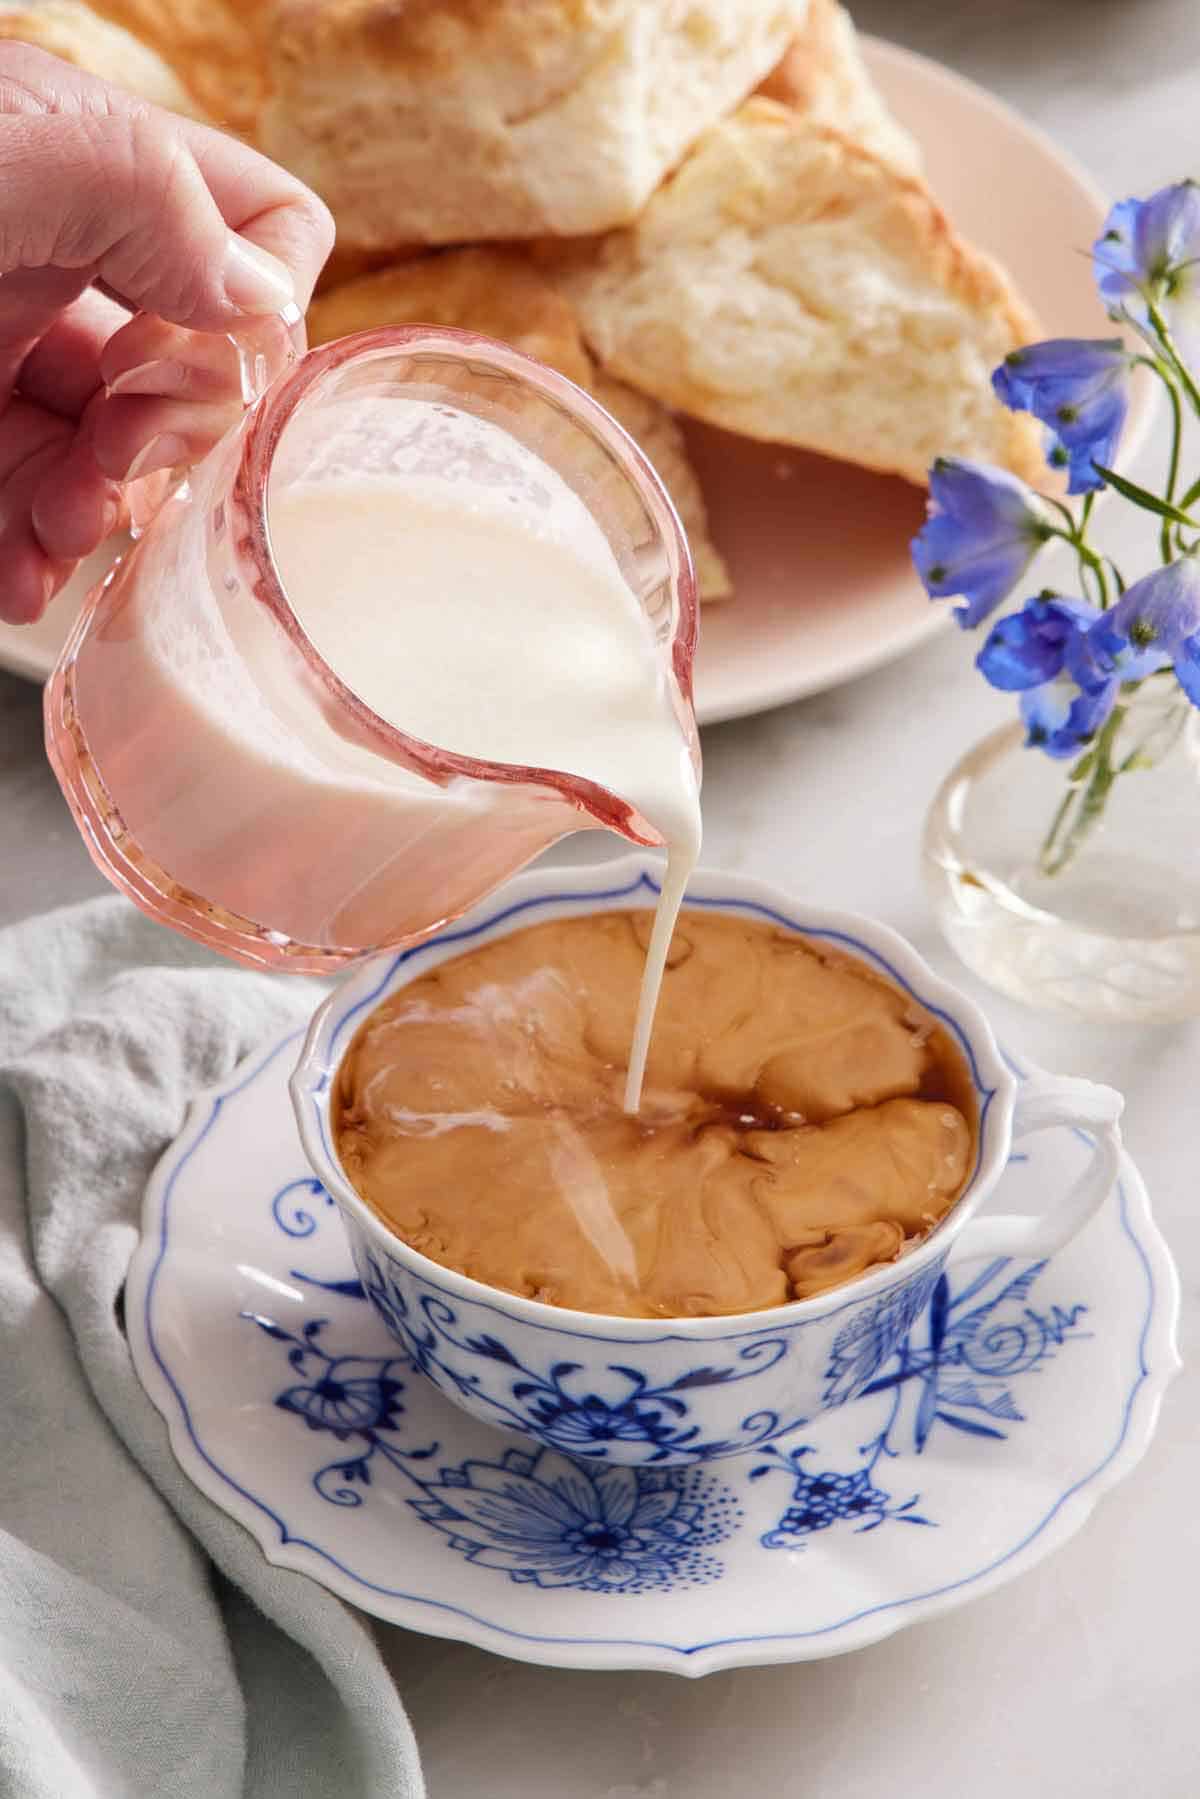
[1082,1679]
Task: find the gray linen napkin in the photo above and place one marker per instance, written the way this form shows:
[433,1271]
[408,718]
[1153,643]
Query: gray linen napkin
[146,1648]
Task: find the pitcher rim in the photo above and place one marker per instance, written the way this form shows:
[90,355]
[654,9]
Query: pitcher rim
[264,431]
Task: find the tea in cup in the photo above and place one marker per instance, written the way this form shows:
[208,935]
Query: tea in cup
[802,1122]
[822,1119]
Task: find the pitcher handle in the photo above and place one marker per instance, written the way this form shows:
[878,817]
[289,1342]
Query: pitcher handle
[265,348]
[1048,1102]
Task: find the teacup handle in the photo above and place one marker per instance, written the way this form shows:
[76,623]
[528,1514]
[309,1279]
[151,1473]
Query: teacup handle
[1046,1102]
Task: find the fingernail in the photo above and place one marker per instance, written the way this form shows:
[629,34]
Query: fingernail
[256,281]
[165,451]
[165,376]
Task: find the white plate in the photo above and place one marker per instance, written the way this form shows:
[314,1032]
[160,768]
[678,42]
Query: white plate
[984,1446]
[819,550]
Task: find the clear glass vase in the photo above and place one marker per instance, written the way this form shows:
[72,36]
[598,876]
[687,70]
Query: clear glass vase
[1067,897]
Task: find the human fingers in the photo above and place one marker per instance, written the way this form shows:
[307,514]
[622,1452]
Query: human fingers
[174,218]
[33,444]
[64,369]
[149,356]
[74,506]
[137,434]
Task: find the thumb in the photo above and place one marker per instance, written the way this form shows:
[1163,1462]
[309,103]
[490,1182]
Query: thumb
[121,197]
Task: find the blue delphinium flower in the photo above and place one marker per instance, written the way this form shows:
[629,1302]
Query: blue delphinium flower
[1079,389]
[1033,652]
[1031,647]
[1155,622]
[1115,261]
[1148,253]
[1062,719]
[984,528]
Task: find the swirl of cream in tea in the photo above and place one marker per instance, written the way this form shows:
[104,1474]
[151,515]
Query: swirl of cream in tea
[802,1119]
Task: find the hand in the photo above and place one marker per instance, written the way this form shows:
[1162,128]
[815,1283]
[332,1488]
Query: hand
[110,207]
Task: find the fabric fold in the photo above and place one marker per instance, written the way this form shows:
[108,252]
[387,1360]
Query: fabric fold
[146,1646]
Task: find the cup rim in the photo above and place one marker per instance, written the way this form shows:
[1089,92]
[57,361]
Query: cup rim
[265,427]
[624,878]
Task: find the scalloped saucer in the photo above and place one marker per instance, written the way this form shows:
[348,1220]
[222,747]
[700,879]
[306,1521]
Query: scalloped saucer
[1019,1398]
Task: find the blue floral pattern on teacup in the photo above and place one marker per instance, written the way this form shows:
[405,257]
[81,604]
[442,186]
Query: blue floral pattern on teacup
[569,1405]
[560,1405]
[870,1336]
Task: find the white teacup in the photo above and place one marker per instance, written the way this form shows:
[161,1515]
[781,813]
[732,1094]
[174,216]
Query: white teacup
[639,1391]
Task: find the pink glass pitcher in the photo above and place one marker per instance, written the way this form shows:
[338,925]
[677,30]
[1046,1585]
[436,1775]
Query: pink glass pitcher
[220,772]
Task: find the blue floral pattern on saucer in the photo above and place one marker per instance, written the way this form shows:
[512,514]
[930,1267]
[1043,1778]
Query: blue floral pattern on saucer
[959,1360]
[544,1518]
[559,1523]
[986,1419]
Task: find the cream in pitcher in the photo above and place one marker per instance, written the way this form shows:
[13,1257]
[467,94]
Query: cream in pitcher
[423,613]
[496,621]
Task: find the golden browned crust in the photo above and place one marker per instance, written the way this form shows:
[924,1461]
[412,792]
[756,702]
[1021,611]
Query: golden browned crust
[811,63]
[970,274]
[426,37]
[914,215]
[823,76]
[349,265]
[76,33]
[214,46]
[493,291]
[464,121]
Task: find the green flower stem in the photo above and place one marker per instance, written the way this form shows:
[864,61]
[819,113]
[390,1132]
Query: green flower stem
[1159,368]
[1087,556]
[1089,561]
[1164,536]
[1178,366]
[1083,805]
